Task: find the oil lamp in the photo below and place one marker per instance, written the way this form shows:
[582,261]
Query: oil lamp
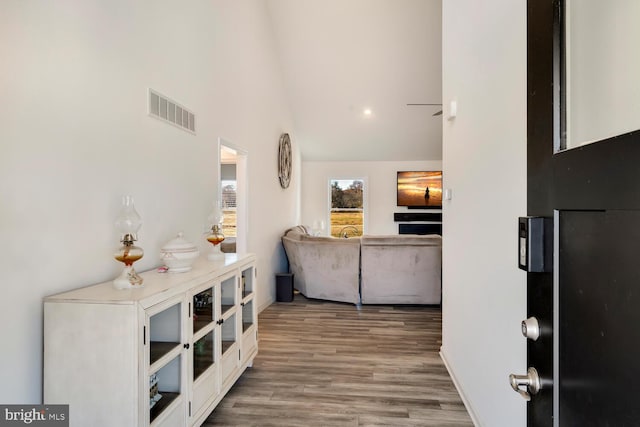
[128,223]
[215,236]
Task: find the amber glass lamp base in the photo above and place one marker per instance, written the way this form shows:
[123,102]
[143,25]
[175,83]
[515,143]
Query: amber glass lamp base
[128,278]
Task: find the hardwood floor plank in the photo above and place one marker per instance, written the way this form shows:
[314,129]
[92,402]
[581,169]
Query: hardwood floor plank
[333,364]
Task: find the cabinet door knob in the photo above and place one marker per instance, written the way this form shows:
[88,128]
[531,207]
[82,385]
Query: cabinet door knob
[186,346]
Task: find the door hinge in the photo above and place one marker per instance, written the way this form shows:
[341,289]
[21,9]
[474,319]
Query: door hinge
[190,314]
[239,358]
[144,335]
[189,408]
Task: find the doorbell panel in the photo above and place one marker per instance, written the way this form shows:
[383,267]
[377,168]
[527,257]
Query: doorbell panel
[534,234]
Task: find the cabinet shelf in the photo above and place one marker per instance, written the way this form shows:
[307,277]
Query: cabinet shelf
[162,404]
[157,349]
[226,345]
[201,321]
[199,367]
[246,325]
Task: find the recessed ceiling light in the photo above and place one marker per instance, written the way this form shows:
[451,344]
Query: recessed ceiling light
[367,112]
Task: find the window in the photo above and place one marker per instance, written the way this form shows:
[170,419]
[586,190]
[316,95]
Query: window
[229,208]
[347,207]
[229,188]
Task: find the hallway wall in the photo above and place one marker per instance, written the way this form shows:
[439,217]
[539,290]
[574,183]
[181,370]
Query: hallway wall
[484,159]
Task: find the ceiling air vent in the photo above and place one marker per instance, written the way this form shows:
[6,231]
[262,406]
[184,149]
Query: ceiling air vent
[171,112]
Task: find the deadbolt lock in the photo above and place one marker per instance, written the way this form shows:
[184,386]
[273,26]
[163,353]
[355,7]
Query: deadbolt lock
[531,328]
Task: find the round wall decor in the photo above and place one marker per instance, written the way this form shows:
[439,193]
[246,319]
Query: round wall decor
[284,160]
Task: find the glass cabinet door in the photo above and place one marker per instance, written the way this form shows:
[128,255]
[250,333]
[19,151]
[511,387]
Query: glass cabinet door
[203,309]
[203,354]
[228,295]
[205,346]
[229,334]
[249,321]
[164,331]
[204,324]
[247,282]
[165,385]
[247,315]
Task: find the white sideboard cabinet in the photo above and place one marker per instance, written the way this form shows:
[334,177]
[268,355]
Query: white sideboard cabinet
[160,356]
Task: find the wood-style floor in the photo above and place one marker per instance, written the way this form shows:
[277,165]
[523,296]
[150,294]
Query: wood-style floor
[332,364]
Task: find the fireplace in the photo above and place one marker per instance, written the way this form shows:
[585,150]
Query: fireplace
[420,229]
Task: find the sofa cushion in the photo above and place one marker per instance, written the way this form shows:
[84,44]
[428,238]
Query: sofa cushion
[297,232]
[403,240]
[331,240]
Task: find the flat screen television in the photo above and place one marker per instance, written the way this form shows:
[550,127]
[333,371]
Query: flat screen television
[420,189]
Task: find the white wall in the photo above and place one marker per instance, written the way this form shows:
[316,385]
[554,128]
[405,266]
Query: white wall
[75,137]
[484,156]
[380,188]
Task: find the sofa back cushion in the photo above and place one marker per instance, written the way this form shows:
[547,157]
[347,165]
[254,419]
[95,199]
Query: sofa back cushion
[402,240]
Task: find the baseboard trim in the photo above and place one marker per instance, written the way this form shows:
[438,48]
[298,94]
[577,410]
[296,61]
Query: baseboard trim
[467,405]
[265,305]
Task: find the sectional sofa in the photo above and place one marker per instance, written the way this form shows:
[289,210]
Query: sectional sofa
[398,269]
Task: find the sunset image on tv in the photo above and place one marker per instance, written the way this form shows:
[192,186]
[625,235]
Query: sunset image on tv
[420,189]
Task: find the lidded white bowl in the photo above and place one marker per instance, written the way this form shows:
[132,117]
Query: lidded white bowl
[178,254]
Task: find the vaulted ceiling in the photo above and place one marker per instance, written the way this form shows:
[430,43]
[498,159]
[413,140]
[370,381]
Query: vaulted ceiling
[343,57]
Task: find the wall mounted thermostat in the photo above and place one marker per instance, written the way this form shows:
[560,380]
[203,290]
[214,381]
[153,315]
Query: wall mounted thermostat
[535,244]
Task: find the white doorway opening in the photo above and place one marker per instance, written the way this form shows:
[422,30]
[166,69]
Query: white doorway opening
[233,192]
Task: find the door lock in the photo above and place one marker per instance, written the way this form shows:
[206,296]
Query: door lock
[531,328]
[530,382]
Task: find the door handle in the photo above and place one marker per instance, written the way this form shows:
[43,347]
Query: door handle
[530,382]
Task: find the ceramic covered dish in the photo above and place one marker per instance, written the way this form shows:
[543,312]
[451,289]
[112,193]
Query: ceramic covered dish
[178,254]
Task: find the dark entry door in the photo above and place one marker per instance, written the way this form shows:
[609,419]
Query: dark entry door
[588,307]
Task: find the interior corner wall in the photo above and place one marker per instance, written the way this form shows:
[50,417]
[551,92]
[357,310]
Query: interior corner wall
[380,190]
[484,159]
[76,136]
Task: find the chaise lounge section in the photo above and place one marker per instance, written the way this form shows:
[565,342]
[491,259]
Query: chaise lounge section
[323,267]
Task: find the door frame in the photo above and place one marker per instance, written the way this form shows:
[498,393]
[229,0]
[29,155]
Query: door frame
[242,192]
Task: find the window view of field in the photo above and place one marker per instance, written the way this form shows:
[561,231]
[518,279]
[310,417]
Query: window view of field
[229,208]
[229,222]
[342,219]
[347,214]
